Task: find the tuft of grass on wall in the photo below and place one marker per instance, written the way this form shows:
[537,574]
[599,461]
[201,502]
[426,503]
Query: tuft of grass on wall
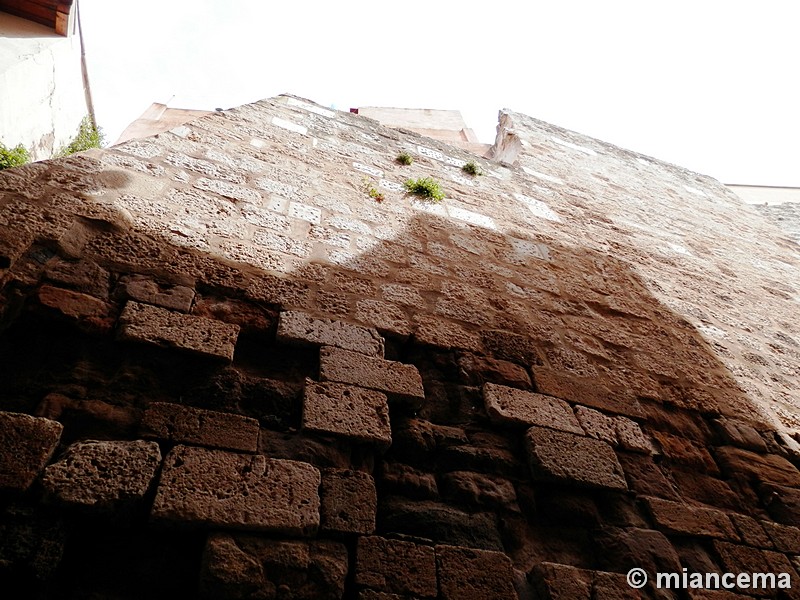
[88,137]
[426,187]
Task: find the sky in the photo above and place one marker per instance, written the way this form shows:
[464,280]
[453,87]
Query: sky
[711,85]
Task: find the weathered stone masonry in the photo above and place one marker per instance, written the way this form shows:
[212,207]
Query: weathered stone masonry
[230,373]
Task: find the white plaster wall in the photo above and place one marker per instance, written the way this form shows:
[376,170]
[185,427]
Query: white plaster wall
[42,100]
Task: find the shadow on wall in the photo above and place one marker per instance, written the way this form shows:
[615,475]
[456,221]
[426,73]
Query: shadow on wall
[466,305]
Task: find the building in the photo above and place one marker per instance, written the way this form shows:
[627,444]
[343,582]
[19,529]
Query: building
[234,371]
[44,90]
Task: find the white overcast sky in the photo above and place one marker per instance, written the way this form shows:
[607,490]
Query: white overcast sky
[711,85]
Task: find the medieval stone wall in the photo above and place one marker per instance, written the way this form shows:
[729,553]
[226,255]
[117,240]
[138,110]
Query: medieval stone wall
[231,372]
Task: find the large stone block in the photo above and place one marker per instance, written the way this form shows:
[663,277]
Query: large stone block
[348,502]
[242,566]
[394,378]
[440,522]
[185,424]
[239,491]
[585,390]
[567,458]
[764,468]
[396,566]
[301,328]
[162,327]
[682,519]
[467,573]
[104,475]
[28,443]
[347,411]
[510,405]
[31,544]
[144,289]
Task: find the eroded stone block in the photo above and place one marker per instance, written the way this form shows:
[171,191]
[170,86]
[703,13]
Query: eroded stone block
[242,566]
[509,405]
[104,475]
[239,491]
[396,566]
[679,518]
[568,458]
[144,289]
[186,424]
[28,443]
[347,411]
[394,378]
[348,502]
[300,327]
[470,573]
[162,327]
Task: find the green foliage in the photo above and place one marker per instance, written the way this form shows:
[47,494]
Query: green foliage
[370,189]
[404,158]
[13,157]
[426,187]
[472,168]
[88,136]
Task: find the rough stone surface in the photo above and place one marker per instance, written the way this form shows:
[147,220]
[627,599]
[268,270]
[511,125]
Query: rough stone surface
[568,458]
[597,425]
[573,269]
[387,376]
[144,289]
[348,502]
[396,566]
[675,517]
[241,566]
[302,328]
[188,425]
[768,468]
[509,405]
[103,475]
[238,491]
[161,327]
[348,411]
[28,443]
[469,573]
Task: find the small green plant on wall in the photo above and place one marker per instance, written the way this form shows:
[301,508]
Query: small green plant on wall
[404,158]
[371,190]
[13,157]
[89,136]
[426,187]
[472,168]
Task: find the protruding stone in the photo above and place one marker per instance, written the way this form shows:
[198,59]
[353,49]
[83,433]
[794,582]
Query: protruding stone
[242,566]
[584,390]
[238,491]
[396,567]
[104,475]
[348,502]
[509,405]
[572,459]
[469,573]
[161,327]
[144,289]
[631,437]
[28,443]
[597,425]
[348,411]
[394,378]
[189,425]
[301,328]
[769,468]
[682,519]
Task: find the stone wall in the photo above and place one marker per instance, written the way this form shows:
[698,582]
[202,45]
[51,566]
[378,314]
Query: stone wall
[230,372]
